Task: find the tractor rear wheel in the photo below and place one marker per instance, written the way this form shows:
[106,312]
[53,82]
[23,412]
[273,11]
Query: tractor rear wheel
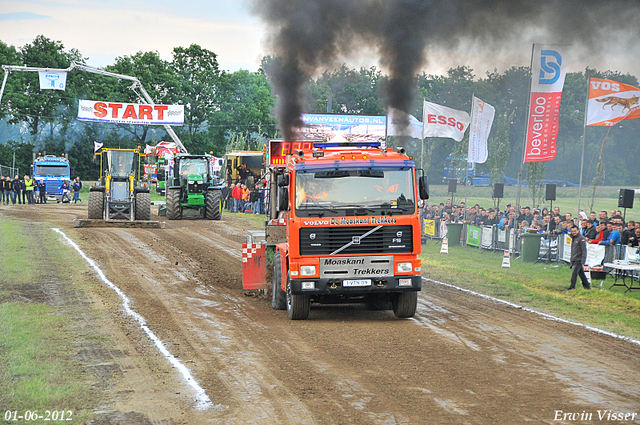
[405,304]
[143,206]
[96,205]
[213,209]
[173,204]
[278,300]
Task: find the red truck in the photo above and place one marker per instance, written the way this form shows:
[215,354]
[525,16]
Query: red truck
[344,226]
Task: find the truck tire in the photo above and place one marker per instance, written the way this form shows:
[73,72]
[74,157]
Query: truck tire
[298,305]
[173,204]
[404,304]
[213,210]
[96,205]
[143,206]
[278,297]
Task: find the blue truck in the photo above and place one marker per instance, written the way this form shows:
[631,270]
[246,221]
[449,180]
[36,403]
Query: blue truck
[53,170]
[470,178]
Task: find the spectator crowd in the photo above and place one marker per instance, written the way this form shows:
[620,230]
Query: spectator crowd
[598,228]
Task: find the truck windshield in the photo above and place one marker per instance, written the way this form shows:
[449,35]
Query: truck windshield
[120,163]
[193,166]
[354,189]
[52,170]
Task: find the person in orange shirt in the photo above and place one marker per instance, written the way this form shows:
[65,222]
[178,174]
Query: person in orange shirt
[246,193]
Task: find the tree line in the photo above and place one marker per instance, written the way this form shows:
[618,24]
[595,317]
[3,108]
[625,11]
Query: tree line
[234,110]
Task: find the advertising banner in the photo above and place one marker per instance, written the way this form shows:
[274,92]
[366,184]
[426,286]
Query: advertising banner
[566,248]
[547,79]
[53,80]
[610,102]
[440,121]
[482,115]
[130,113]
[473,236]
[595,255]
[487,237]
[429,227]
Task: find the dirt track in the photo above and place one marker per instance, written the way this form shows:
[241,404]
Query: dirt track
[462,360]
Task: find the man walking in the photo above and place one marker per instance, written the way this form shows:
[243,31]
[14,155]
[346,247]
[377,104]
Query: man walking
[77,185]
[578,258]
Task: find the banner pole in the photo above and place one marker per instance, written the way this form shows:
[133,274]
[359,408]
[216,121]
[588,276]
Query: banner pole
[584,143]
[526,127]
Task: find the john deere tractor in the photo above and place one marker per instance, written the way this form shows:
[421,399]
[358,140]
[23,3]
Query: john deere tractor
[120,194]
[193,187]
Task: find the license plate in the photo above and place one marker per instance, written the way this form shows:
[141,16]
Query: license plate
[362,282]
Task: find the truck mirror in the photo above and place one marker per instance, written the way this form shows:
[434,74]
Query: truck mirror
[423,187]
[283,199]
[283,180]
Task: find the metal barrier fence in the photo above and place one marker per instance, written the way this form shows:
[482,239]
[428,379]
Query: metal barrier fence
[9,171]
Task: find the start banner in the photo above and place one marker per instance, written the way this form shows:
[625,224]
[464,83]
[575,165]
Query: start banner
[130,113]
[547,79]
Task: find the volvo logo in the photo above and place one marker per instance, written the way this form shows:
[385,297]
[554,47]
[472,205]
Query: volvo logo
[399,234]
[355,240]
[312,236]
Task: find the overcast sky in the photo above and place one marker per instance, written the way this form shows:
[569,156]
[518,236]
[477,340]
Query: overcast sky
[102,30]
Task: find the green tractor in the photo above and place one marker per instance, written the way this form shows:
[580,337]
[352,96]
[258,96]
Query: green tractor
[120,195]
[193,187]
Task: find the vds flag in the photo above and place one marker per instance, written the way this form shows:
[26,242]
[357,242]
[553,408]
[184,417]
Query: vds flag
[548,70]
[611,102]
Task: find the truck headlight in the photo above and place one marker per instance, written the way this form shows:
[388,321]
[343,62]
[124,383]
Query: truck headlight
[405,267]
[307,270]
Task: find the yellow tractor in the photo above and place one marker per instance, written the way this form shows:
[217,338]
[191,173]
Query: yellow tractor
[120,195]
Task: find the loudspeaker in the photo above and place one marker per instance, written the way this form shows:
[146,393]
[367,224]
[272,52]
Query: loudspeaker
[626,198]
[498,190]
[453,183]
[551,192]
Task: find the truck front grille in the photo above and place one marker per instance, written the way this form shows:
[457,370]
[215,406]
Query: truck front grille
[327,240]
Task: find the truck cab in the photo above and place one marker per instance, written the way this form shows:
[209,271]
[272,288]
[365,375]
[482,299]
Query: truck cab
[53,170]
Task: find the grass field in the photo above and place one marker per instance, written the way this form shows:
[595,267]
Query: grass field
[539,286]
[37,341]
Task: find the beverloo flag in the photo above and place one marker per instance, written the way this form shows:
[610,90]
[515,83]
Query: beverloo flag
[482,115]
[53,80]
[440,121]
[547,79]
[610,102]
[97,146]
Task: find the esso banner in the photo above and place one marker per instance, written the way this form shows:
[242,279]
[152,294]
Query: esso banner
[130,113]
[441,121]
[547,79]
[611,102]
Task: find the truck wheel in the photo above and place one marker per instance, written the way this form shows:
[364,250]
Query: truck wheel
[298,305]
[404,304]
[278,301]
[96,205]
[213,210]
[173,204]
[143,206]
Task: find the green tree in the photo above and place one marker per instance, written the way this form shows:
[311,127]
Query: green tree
[198,89]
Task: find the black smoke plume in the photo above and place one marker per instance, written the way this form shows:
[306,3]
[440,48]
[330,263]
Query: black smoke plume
[307,37]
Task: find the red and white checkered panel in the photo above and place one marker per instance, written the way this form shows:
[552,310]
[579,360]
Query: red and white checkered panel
[254,266]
